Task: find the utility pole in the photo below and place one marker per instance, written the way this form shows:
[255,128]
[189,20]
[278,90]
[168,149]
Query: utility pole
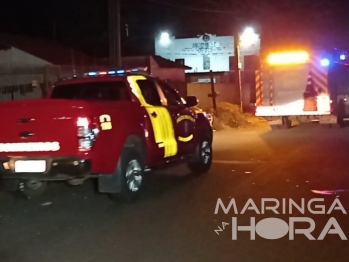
[54,31]
[238,66]
[114,34]
[118,34]
[213,93]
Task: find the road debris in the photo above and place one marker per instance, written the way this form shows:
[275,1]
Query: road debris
[46,204]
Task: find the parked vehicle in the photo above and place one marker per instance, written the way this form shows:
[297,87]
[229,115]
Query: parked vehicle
[109,125]
[302,84]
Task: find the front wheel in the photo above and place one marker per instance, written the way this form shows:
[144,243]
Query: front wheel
[202,158]
[131,171]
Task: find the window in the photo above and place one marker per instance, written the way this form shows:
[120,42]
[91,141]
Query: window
[172,97]
[207,64]
[113,90]
[150,92]
[180,61]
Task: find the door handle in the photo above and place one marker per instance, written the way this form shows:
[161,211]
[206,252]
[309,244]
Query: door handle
[26,134]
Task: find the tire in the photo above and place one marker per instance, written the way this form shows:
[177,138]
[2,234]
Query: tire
[201,160]
[32,188]
[130,168]
[286,122]
[341,113]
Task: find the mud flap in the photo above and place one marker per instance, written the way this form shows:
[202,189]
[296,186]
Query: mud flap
[109,183]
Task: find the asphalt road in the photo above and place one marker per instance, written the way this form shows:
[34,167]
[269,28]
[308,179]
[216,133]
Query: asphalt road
[175,220]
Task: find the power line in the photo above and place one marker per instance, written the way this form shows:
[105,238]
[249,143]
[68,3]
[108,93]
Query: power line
[191,8]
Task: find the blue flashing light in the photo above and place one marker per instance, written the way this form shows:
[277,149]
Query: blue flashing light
[325,62]
[116,71]
[342,57]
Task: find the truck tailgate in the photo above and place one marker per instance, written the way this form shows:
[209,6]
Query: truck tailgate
[40,127]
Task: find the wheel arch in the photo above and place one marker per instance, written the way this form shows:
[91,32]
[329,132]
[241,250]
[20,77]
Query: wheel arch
[204,129]
[111,183]
[137,143]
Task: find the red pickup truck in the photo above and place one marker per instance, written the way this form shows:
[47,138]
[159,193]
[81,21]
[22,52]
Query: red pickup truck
[111,125]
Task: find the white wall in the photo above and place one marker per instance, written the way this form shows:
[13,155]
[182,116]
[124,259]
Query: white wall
[218,48]
[14,56]
[193,50]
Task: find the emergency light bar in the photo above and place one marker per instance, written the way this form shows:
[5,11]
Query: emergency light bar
[117,72]
[325,62]
[287,58]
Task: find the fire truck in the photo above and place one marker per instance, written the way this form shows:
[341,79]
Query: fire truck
[303,85]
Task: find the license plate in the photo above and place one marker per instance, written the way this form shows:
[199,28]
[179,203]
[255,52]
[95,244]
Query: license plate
[30,166]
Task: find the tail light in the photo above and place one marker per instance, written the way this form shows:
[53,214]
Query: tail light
[87,133]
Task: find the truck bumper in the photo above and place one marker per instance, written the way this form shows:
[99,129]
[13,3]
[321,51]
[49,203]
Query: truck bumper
[57,168]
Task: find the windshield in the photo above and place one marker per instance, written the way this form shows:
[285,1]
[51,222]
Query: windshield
[114,90]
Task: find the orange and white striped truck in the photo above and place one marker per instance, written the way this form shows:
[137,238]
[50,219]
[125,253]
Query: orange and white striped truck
[302,85]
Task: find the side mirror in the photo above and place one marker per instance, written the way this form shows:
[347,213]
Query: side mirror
[191,101]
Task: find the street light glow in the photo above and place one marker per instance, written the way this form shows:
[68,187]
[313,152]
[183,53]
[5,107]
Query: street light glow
[165,38]
[248,37]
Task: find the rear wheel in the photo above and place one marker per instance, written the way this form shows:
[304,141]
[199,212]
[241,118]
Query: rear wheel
[202,159]
[131,171]
[341,113]
[286,122]
[32,188]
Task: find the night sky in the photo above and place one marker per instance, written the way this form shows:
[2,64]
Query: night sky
[83,24]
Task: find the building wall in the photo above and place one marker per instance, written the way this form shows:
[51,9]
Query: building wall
[175,76]
[225,77]
[193,51]
[227,93]
[215,49]
[14,56]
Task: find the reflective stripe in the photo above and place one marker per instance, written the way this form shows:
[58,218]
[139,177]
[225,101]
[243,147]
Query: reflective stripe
[271,88]
[259,93]
[162,124]
[186,139]
[168,134]
[319,74]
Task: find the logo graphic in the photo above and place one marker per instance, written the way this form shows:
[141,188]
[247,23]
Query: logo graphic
[275,228]
[206,38]
[105,122]
[186,126]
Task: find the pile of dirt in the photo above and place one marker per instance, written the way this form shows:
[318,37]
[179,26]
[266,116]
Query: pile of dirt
[228,116]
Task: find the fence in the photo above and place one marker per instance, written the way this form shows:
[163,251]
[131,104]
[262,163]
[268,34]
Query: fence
[31,82]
